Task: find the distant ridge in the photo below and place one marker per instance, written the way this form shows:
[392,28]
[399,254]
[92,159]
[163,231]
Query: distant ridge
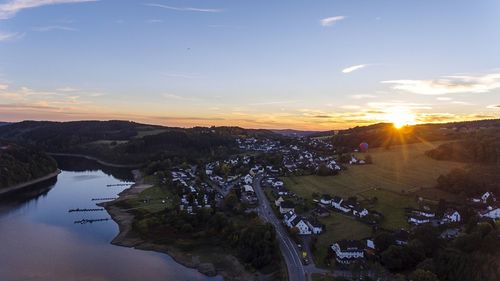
[294,133]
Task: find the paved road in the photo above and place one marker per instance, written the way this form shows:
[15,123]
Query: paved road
[288,247]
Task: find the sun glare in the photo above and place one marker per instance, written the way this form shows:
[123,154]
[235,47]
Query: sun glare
[400,117]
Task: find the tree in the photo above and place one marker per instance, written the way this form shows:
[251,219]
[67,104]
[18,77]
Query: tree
[383,241]
[423,275]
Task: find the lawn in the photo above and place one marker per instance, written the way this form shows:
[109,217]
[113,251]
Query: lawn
[151,199]
[400,168]
[392,206]
[338,227]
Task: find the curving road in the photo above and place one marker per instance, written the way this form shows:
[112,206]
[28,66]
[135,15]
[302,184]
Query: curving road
[289,249]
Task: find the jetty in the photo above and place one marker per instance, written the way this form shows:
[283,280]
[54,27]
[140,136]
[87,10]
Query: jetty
[85,210]
[85,221]
[104,199]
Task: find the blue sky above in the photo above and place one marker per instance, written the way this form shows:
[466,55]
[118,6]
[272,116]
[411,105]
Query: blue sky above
[272,64]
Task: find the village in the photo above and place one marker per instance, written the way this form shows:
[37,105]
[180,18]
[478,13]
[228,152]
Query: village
[209,185]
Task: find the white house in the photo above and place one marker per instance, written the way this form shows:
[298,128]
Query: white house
[347,251]
[301,224]
[491,212]
[248,179]
[451,216]
[338,203]
[288,218]
[315,227]
[359,211]
[418,220]
[277,184]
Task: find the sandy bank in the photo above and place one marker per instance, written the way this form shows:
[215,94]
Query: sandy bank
[28,183]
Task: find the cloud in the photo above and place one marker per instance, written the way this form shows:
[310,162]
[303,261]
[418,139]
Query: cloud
[444,98]
[12,7]
[67,89]
[461,102]
[179,98]
[3,87]
[331,20]
[353,68]
[7,36]
[273,102]
[185,9]
[449,84]
[360,97]
[53,27]
[493,106]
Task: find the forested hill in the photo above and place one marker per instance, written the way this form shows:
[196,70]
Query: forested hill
[19,164]
[384,134]
[124,142]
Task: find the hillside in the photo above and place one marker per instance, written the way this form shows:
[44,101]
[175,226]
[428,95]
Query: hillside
[125,142]
[19,164]
[385,135]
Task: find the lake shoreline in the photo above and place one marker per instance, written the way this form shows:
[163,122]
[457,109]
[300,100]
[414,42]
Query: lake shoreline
[102,162]
[126,237]
[26,184]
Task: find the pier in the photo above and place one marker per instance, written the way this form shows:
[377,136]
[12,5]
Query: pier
[104,199]
[85,210]
[85,221]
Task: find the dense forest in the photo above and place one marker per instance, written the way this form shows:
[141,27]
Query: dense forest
[473,256]
[19,164]
[482,147]
[125,142]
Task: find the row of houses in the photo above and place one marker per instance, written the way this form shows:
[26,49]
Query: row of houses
[344,206]
[303,225]
[193,196]
[419,217]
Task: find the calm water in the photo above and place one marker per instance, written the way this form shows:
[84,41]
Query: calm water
[40,241]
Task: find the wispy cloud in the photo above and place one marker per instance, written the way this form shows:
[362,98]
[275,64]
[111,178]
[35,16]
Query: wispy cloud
[363,96]
[493,106]
[179,98]
[67,89]
[331,20]
[181,75]
[449,84]
[443,99]
[10,8]
[353,68]
[53,27]
[274,102]
[185,9]
[8,36]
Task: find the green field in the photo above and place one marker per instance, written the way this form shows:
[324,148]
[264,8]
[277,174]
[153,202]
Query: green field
[394,171]
[339,227]
[400,168]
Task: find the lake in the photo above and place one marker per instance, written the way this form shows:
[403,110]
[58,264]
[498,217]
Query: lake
[39,239]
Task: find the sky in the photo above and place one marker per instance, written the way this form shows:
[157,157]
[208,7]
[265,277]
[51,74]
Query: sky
[310,65]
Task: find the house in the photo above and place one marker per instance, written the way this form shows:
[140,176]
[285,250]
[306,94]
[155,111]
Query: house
[418,220]
[491,212]
[401,237]
[359,211]
[301,224]
[248,179]
[347,251]
[287,206]
[277,184]
[278,201]
[289,217]
[339,204]
[315,226]
[326,199]
[451,216]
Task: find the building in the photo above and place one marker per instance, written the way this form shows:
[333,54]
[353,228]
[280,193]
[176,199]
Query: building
[348,251]
[287,206]
[491,212]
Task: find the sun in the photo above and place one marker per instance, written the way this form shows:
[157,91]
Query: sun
[400,117]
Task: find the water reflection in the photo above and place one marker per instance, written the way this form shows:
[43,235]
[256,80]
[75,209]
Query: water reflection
[39,240]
